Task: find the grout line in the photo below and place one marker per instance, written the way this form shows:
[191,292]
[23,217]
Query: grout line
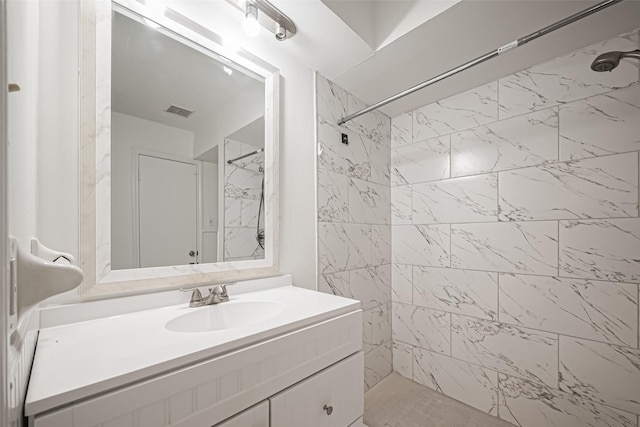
[638,330]
[537,165]
[481,366]
[523,327]
[593,279]
[494,222]
[522,114]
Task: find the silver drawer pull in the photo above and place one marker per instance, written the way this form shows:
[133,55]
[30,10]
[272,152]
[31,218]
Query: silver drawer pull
[328,409]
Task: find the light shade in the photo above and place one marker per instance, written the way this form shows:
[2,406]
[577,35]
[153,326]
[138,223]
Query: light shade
[251,24]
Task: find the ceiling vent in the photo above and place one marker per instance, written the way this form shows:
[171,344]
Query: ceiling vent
[179,111]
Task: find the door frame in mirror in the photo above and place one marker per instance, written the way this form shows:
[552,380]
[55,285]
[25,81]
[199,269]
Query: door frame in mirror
[95,160]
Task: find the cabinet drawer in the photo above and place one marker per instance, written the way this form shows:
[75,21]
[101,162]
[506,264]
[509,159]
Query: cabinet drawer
[257,416]
[333,397]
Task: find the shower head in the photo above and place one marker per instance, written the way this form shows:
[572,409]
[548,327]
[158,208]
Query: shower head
[610,60]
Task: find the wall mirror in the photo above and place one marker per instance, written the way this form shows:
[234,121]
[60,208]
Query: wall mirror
[180,182]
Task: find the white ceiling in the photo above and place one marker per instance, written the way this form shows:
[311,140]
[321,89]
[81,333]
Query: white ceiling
[334,40]
[151,71]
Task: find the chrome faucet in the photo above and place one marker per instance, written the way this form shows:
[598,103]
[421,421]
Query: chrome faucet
[217,294]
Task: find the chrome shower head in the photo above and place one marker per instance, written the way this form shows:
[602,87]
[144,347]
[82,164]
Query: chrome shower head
[610,60]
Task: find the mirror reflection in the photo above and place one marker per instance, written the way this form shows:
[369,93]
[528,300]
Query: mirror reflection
[187,152]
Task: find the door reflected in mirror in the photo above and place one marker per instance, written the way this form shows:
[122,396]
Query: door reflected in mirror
[187,151]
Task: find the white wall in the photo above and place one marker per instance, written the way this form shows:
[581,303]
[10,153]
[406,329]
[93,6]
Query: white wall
[127,134]
[23,118]
[246,108]
[42,49]
[58,121]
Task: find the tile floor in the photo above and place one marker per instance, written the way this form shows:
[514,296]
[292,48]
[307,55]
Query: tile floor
[399,402]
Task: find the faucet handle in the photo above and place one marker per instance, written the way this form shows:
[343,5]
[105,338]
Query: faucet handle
[224,289]
[196,297]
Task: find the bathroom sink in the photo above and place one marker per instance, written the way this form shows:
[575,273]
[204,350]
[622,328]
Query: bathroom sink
[225,315]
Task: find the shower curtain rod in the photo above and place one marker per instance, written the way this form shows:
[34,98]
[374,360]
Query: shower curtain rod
[259,150]
[503,49]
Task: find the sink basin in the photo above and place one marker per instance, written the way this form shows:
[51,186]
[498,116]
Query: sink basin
[225,315]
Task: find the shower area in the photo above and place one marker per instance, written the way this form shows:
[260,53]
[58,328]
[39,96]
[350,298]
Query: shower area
[493,238]
[243,201]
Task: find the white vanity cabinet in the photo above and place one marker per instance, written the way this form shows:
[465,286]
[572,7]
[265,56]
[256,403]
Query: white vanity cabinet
[331,398]
[257,416]
[285,381]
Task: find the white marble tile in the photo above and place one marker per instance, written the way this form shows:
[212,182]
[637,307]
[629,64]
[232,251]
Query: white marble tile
[381,324]
[601,373]
[403,359]
[467,383]
[523,353]
[332,99]
[420,245]
[232,212]
[242,183]
[240,244]
[367,330]
[374,125]
[523,141]
[377,365]
[343,247]
[566,79]
[335,283]
[402,130]
[597,310]
[523,247]
[333,197]
[401,283]
[602,187]
[465,110]
[468,199]
[600,125]
[401,210]
[380,159]
[472,293]
[250,210]
[351,160]
[601,249]
[420,162]
[528,404]
[380,244]
[371,285]
[369,203]
[421,327]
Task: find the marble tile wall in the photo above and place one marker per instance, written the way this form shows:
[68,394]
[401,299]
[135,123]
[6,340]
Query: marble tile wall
[354,217]
[242,191]
[516,243]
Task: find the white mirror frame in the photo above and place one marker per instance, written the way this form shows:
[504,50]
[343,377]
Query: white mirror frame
[95,161]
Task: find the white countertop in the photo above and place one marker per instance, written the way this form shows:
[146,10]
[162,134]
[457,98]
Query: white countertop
[82,359]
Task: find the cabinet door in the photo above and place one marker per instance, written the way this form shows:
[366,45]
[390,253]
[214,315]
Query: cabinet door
[256,416]
[333,397]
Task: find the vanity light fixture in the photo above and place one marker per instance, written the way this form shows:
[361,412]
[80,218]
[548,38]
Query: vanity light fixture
[261,12]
